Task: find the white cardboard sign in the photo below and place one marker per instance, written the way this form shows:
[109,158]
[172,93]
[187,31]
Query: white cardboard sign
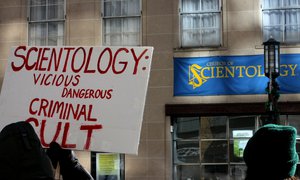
[84,98]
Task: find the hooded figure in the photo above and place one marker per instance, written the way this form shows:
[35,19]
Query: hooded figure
[271,153]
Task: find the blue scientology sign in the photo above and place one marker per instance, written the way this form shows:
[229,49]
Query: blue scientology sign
[232,75]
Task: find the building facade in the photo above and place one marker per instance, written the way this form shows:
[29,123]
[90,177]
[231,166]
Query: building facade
[184,136]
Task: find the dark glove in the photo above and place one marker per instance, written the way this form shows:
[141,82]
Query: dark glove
[70,168]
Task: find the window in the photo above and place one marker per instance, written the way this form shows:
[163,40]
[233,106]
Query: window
[281,20]
[212,147]
[200,23]
[186,148]
[121,22]
[46,22]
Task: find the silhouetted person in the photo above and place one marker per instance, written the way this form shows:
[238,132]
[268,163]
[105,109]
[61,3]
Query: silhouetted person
[21,154]
[271,153]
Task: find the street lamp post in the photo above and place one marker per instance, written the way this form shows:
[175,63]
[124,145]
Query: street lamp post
[272,71]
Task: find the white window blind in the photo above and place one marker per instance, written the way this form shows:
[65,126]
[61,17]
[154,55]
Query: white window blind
[121,22]
[200,23]
[46,22]
[281,20]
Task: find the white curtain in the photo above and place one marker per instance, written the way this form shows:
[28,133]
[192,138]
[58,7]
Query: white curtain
[46,26]
[122,22]
[190,5]
[122,31]
[55,9]
[273,24]
[271,4]
[131,7]
[112,31]
[38,10]
[200,23]
[121,7]
[210,5]
[55,33]
[283,24]
[211,29]
[191,33]
[38,34]
[292,32]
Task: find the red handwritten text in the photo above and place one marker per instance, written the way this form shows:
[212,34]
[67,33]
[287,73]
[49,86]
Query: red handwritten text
[42,125]
[87,93]
[70,59]
[50,108]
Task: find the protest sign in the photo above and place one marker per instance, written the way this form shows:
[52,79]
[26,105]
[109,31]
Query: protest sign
[84,98]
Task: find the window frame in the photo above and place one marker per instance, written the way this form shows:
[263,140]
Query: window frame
[283,26]
[47,22]
[231,161]
[182,13]
[103,17]
[227,139]
[231,109]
